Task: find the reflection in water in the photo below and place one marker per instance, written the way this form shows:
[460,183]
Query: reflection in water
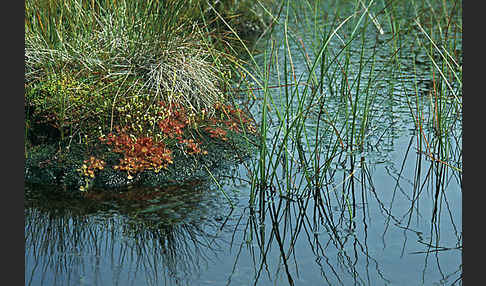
[359,232]
[366,224]
[152,237]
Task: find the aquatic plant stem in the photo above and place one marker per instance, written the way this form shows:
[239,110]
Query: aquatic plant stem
[219,187]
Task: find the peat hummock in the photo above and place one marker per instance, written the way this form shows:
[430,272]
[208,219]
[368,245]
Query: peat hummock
[122,160]
[127,93]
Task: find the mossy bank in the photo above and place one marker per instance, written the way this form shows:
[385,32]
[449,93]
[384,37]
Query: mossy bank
[135,93]
[46,165]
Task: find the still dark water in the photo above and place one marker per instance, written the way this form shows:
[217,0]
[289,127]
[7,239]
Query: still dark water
[193,237]
[388,214]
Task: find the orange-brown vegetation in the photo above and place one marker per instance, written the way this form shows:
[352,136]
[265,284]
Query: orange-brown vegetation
[176,129]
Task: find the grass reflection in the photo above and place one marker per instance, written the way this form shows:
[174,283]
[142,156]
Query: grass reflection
[362,226]
[139,237]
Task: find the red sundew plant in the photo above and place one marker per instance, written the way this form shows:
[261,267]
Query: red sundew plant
[177,119]
[88,170]
[217,132]
[233,126]
[231,118]
[192,147]
[91,165]
[150,152]
[139,153]
[236,118]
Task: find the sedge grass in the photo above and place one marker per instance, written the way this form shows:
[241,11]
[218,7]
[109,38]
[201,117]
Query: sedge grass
[302,134]
[292,114]
[125,38]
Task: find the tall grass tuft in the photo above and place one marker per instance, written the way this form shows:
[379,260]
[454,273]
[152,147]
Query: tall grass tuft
[150,40]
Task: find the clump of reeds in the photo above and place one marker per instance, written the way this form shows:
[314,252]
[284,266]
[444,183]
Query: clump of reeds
[328,78]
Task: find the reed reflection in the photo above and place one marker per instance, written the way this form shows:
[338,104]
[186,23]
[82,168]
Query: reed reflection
[140,237]
[367,223]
